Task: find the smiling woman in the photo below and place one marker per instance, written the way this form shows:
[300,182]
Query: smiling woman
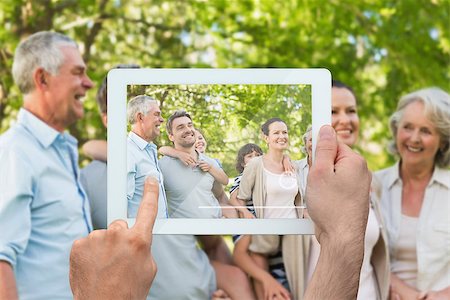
[344,113]
[414,196]
[272,261]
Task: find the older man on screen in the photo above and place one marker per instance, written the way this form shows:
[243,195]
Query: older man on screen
[43,207]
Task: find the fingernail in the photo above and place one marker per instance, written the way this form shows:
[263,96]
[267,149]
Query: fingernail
[326,132]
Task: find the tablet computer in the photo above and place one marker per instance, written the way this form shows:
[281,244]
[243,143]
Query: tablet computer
[228,106]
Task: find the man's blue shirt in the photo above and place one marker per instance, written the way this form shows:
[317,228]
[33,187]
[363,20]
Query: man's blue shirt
[142,161]
[43,208]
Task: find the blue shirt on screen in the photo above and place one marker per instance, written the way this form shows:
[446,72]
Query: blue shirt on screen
[43,208]
[142,161]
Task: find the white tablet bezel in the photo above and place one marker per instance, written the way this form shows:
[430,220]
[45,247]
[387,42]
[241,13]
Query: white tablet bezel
[119,79]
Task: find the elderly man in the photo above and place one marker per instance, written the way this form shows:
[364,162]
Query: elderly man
[43,207]
[93,176]
[145,119]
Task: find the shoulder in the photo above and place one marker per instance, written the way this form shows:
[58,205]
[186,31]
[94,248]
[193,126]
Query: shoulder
[299,164]
[132,147]
[208,159]
[442,176]
[166,160]
[18,145]
[255,163]
[383,174]
[94,166]
[16,138]
[383,179]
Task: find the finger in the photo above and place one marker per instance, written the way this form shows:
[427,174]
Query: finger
[285,294]
[148,209]
[422,295]
[326,149]
[118,225]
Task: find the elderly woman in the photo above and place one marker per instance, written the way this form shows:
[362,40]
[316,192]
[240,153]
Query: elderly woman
[415,196]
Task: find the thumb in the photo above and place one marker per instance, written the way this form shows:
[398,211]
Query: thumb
[326,149]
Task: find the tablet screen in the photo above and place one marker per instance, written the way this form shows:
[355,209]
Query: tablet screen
[214,141]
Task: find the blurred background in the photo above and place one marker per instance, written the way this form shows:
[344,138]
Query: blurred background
[381,48]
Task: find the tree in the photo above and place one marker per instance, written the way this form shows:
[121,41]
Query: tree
[382,48]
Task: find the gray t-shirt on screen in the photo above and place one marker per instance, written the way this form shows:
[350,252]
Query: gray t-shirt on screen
[189,190]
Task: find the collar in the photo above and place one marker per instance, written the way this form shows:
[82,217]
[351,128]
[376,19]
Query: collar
[140,142]
[393,175]
[440,176]
[43,133]
[200,156]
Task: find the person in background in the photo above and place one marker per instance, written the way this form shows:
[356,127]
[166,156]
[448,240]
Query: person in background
[415,196]
[113,259]
[43,207]
[374,279]
[94,175]
[304,164]
[274,265]
[261,268]
[245,154]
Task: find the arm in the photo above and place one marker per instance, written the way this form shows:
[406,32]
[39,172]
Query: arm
[8,288]
[436,295]
[238,203]
[288,166]
[248,180]
[186,158]
[16,181]
[117,263]
[218,174]
[131,176]
[243,259]
[96,149]
[403,290]
[300,206]
[228,211]
[331,190]
[215,247]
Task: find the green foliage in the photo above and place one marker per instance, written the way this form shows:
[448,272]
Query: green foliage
[231,115]
[382,48]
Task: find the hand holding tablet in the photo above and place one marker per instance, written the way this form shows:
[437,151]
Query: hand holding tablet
[94,276]
[117,257]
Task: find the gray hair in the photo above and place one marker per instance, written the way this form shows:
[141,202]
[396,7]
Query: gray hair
[139,104]
[305,139]
[39,50]
[437,109]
